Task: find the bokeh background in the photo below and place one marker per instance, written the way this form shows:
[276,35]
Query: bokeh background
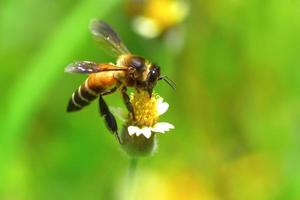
[236,108]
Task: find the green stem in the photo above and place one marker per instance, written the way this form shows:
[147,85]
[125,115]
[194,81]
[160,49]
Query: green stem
[132,167]
[131,178]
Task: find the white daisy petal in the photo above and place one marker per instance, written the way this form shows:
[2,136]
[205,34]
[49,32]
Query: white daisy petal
[134,130]
[146,131]
[159,99]
[146,27]
[162,127]
[139,132]
[162,107]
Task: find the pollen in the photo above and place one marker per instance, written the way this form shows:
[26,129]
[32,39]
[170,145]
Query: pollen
[145,109]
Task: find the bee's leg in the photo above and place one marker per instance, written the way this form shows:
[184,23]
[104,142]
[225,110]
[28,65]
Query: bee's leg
[110,120]
[127,102]
[112,90]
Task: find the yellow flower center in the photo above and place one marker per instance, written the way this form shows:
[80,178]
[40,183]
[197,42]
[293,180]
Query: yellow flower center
[145,109]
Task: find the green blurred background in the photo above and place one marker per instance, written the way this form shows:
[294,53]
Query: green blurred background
[236,108]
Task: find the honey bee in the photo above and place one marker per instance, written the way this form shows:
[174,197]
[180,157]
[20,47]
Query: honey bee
[105,78]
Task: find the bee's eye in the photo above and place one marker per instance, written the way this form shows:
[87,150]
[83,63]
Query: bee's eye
[137,63]
[154,74]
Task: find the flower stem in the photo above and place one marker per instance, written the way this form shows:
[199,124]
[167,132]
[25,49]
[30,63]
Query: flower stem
[131,177]
[132,167]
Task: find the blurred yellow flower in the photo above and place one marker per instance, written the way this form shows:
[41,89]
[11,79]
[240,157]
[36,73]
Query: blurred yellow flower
[170,184]
[158,16]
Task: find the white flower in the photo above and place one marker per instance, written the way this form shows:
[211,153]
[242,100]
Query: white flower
[162,107]
[159,127]
[146,111]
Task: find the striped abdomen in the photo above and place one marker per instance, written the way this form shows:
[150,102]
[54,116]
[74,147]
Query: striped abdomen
[83,96]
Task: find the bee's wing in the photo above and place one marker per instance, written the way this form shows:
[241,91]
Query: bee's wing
[84,67]
[88,67]
[105,35]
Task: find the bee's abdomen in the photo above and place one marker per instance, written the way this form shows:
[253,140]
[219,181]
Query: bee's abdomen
[82,97]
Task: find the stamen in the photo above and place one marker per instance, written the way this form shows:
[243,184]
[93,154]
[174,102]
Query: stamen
[145,109]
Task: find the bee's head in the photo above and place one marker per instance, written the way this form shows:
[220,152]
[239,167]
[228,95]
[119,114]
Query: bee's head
[137,67]
[143,73]
[152,77]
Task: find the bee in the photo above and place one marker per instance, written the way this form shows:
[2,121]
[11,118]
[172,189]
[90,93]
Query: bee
[105,78]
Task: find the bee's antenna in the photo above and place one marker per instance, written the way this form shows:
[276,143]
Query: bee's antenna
[168,81]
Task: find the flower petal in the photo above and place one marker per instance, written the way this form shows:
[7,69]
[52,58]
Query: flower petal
[146,27]
[162,107]
[162,127]
[134,130]
[146,131]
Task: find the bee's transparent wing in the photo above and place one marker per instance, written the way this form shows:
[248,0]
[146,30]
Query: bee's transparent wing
[88,67]
[106,36]
[84,67]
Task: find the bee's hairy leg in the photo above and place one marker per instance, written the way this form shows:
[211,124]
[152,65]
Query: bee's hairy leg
[110,120]
[127,102]
[107,92]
